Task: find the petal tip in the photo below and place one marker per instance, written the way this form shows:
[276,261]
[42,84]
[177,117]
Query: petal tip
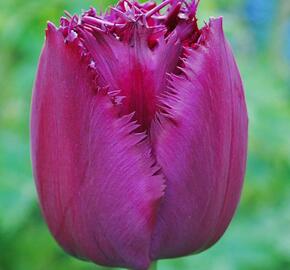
[50,29]
[216,22]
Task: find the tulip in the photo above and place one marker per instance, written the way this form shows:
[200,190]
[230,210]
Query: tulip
[138,132]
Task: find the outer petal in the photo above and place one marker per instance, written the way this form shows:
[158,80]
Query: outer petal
[200,144]
[96,181]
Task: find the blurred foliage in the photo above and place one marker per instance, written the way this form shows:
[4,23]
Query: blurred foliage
[259,236]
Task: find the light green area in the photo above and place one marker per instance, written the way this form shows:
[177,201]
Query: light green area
[259,236]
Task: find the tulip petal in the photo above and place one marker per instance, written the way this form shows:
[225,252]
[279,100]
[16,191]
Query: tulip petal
[133,68]
[200,142]
[97,181]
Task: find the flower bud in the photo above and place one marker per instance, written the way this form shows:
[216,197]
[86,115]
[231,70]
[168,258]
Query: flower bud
[139,133]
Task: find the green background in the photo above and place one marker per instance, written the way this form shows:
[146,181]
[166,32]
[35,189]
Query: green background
[258,237]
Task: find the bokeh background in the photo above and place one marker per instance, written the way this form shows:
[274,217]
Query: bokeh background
[259,236]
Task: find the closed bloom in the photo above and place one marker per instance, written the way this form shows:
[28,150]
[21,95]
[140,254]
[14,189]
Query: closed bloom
[139,133]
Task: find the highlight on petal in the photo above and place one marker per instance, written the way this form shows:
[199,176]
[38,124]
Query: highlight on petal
[200,142]
[98,185]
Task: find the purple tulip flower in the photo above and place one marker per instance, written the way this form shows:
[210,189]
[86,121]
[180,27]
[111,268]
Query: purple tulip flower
[139,133]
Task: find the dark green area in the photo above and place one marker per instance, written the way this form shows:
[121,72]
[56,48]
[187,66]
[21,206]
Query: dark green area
[259,236]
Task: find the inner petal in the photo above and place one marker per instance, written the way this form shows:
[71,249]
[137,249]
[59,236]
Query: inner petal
[138,85]
[133,48]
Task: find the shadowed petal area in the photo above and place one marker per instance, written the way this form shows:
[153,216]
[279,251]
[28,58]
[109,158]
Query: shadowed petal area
[97,182]
[200,142]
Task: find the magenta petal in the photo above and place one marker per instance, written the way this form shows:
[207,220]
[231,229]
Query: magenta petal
[132,68]
[200,141]
[97,183]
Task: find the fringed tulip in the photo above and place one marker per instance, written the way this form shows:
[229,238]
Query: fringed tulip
[139,133]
